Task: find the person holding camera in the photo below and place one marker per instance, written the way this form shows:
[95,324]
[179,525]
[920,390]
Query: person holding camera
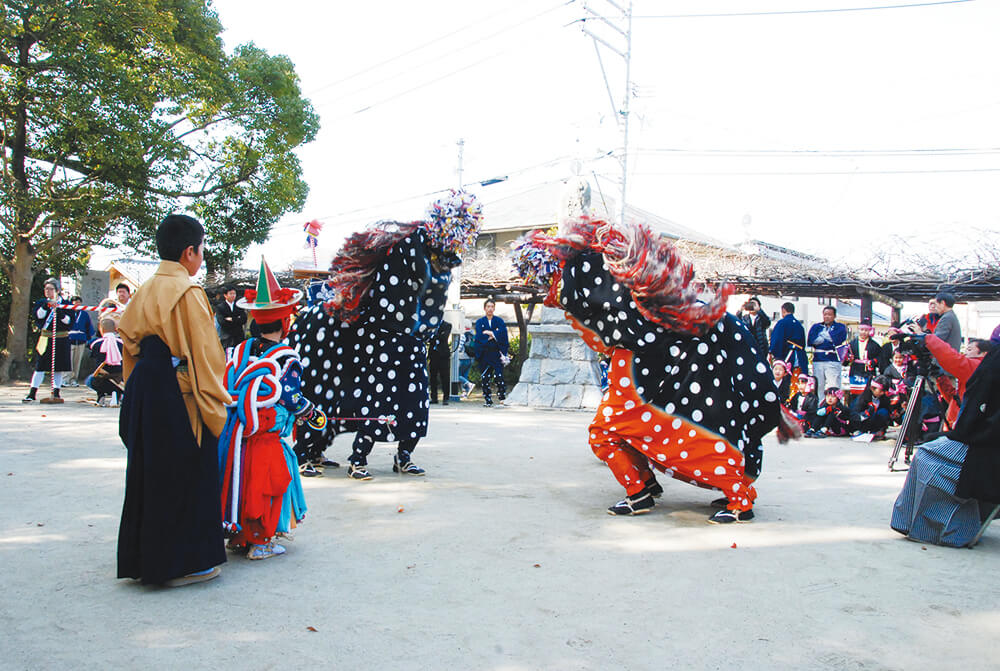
[954,481]
[948,329]
[757,323]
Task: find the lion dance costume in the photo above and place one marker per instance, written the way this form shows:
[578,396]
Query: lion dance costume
[688,394]
[364,351]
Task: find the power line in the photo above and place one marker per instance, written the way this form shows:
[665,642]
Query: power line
[436,40]
[807,173]
[448,54]
[836,153]
[804,11]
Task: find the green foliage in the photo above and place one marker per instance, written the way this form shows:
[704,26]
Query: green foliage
[114,113]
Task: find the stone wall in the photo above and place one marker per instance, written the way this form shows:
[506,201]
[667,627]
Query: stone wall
[560,371]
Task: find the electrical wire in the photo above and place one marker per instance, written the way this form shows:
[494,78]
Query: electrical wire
[804,11]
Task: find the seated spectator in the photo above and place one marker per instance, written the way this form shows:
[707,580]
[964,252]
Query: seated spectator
[106,351]
[863,358]
[871,410]
[833,417]
[804,403]
[951,479]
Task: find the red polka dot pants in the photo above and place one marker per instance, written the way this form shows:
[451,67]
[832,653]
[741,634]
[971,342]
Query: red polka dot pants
[630,435]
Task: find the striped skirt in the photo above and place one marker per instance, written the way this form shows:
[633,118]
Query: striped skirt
[927,509]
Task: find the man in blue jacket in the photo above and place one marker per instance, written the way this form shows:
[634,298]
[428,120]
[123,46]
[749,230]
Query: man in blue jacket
[825,337]
[788,340]
[80,335]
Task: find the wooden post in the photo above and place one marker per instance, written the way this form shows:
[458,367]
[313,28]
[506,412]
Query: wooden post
[866,309]
[522,332]
[896,316]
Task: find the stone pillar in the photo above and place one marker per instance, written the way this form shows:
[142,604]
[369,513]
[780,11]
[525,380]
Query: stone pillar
[560,371]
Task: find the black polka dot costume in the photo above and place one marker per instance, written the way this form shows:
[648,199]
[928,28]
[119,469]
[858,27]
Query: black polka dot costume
[375,366]
[688,395]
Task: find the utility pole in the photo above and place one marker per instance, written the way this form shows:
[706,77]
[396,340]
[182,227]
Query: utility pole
[461,151]
[622,25]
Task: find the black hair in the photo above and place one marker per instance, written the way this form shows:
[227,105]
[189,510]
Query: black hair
[831,390]
[270,327]
[788,307]
[883,381]
[488,300]
[984,346]
[947,298]
[122,285]
[176,233]
[830,307]
[75,298]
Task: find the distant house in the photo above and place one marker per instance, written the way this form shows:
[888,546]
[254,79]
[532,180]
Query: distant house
[507,217]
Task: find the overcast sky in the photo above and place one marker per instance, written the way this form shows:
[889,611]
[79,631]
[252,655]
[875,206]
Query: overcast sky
[829,130]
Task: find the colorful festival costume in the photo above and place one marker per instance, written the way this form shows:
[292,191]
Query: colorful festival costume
[261,490]
[689,395]
[364,351]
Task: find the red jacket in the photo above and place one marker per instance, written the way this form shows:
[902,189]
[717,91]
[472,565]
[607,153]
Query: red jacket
[959,365]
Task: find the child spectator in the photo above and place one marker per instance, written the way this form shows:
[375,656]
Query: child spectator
[106,352]
[805,403]
[833,415]
[872,409]
[782,380]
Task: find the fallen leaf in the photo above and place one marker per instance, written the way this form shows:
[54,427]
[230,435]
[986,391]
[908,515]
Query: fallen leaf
[411,566]
[733,545]
[400,509]
[923,547]
[42,524]
[43,415]
[311,629]
[538,566]
[10,474]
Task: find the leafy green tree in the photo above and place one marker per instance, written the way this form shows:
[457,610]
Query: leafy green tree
[113,113]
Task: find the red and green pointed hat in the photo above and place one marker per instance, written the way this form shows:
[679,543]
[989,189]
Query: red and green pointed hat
[270,301]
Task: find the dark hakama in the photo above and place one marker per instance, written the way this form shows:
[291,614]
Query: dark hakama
[171,522]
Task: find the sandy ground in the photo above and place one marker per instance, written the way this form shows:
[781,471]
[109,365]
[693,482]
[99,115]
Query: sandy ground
[502,558]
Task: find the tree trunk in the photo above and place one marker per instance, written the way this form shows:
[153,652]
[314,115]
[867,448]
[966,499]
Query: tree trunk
[14,360]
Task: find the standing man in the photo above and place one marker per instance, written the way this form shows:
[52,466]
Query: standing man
[46,311]
[439,362]
[948,329]
[825,337]
[79,336]
[232,319]
[124,294]
[788,340]
[491,351]
[757,323]
[173,412]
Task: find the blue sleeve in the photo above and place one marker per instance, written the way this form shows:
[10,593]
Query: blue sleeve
[502,340]
[813,330]
[778,339]
[291,391]
[839,334]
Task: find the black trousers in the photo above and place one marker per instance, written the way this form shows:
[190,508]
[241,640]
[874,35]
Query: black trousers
[363,445]
[440,374]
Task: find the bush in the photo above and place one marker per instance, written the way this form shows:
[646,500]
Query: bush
[512,371]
